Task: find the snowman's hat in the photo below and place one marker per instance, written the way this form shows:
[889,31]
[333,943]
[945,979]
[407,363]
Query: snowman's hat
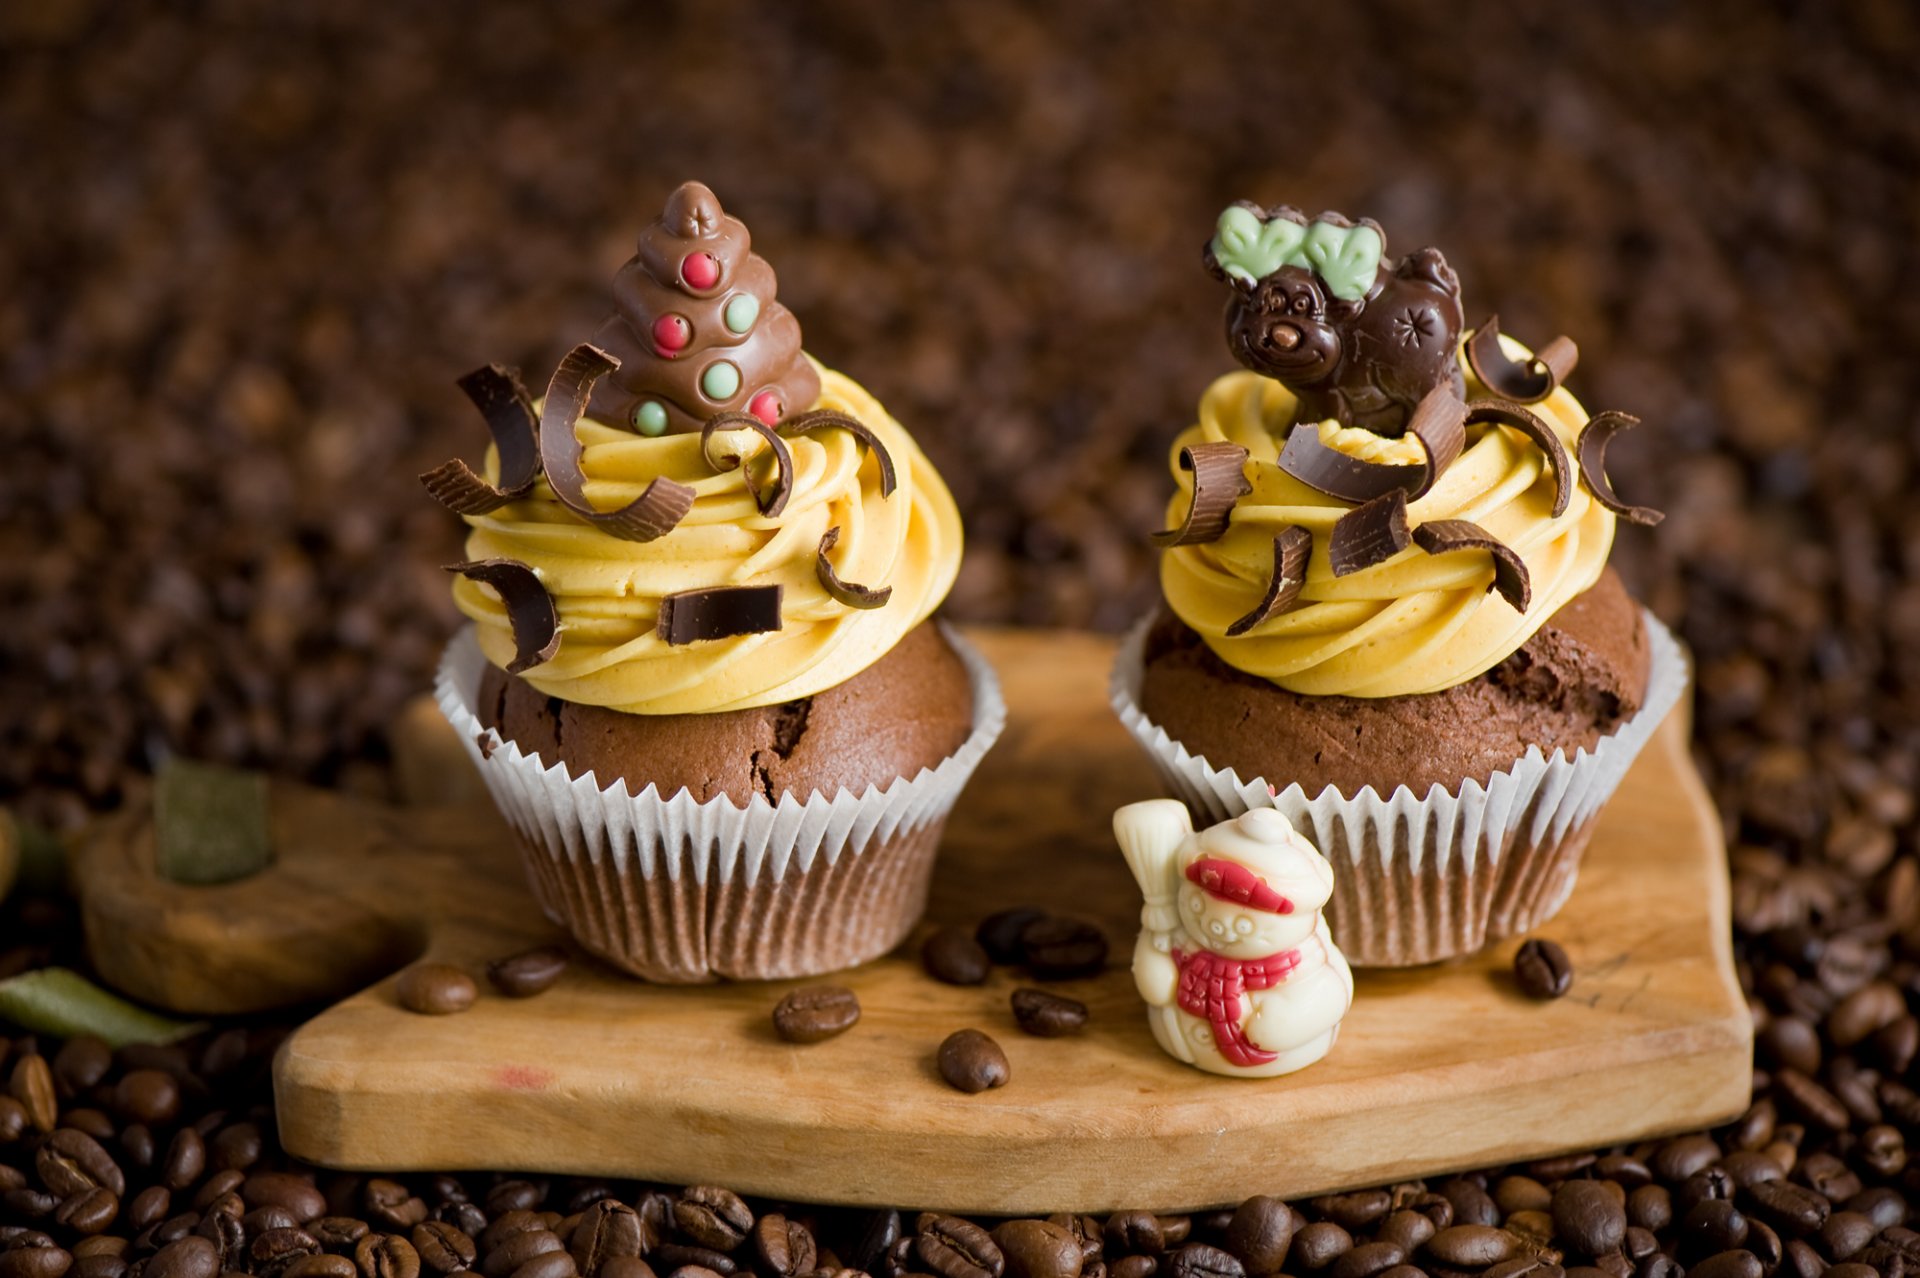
[1261,862]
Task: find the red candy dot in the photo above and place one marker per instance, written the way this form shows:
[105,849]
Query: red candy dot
[766,406]
[702,270]
[671,333]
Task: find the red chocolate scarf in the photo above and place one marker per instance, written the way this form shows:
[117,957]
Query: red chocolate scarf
[1211,986]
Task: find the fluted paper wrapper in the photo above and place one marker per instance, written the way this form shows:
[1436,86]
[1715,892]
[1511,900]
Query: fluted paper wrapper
[674,890]
[1417,880]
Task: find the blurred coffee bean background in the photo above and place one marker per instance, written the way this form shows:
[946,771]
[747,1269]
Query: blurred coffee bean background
[247,249]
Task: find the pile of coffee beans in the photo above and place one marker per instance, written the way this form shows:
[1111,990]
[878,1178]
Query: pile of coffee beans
[237,296]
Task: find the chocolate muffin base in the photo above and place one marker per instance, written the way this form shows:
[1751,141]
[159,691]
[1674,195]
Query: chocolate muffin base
[1575,681]
[907,711]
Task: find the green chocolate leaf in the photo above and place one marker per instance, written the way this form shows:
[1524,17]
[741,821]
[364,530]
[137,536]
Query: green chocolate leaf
[60,1002]
[210,823]
[1249,249]
[1346,257]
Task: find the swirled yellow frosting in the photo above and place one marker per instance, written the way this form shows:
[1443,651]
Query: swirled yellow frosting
[608,591]
[1415,623]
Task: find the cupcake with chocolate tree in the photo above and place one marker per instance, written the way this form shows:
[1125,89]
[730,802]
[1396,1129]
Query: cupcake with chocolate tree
[703,680]
[1388,609]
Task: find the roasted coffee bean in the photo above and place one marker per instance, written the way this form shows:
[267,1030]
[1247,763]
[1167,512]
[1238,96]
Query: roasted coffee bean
[261,1219]
[1542,969]
[1137,1231]
[1793,1210]
[1357,1210]
[338,1233]
[393,1207]
[98,1267]
[1198,1260]
[1845,1233]
[1587,1219]
[1884,1207]
[552,1264]
[237,1147]
[882,1230]
[815,1013]
[951,955]
[100,1245]
[31,1084]
[147,1096]
[514,1195]
[1409,1229]
[284,1189]
[189,1257]
[435,989]
[1746,1167]
[91,1211]
[1526,1267]
[1712,1226]
[1521,1193]
[185,1159]
[71,1162]
[1048,1015]
[1136,1267]
[529,972]
[1650,1207]
[671,1256]
[712,1217]
[1057,948]
[226,1232]
[1472,1246]
[321,1266]
[607,1228]
[274,1250]
[1682,1156]
[446,1249]
[1175,1229]
[80,1064]
[954,1248]
[1883,1149]
[1037,1249]
[35,1262]
[1728,1264]
[1469,1204]
[468,1218]
[972,1062]
[1088,1232]
[389,1256]
[13,1120]
[507,1225]
[1714,1182]
[1791,1041]
[1810,1100]
[625,1267]
[1319,1245]
[28,1204]
[999,933]
[785,1248]
[516,1250]
[1260,1233]
[149,1207]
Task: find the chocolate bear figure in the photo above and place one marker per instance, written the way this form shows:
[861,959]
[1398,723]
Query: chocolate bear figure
[1366,360]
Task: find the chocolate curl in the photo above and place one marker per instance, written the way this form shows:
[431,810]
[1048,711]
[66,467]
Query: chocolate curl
[1369,534]
[1527,383]
[722,612]
[847,592]
[496,391]
[1592,447]
[774,500]
[652,514]
[530,610]
[1510,578]
[1542,436]
[1219,480]
[821,417]
[1438,422]
[1292,549]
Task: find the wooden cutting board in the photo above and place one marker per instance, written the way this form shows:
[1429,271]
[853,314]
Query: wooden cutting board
[1437,1068]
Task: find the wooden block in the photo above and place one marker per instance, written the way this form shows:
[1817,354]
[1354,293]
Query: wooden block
[1437,1068]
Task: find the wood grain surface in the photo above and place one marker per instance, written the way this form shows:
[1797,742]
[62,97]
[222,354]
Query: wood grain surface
[1437,1068]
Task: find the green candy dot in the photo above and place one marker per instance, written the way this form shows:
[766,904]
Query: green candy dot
[650,418]
[741,312]
[721,381]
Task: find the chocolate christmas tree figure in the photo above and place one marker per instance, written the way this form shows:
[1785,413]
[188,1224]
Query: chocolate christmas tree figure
[1317,307]
[696,328]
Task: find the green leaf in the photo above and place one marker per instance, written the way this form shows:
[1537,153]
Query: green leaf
[61,1002]
[210,823]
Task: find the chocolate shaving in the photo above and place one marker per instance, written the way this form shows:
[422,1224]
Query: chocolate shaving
[652,514]
[1542,435]
[1291,551]
[819,417]
[1219,480]
[722,612]
[530,610]
[496,391]
[1369,534]
[1438,422]
[1527,383]
[774,500]
[1441,536]
[1592,447]
[847,592]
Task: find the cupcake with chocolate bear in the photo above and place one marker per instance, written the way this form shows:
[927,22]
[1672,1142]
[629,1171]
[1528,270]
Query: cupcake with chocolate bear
[1388,610]
[703,681]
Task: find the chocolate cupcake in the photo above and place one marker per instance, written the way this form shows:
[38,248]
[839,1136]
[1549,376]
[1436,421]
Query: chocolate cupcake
[1388,610]
[702,680]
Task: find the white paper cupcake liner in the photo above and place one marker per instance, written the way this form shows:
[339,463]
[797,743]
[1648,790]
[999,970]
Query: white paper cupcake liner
[1423,879]
[672,889]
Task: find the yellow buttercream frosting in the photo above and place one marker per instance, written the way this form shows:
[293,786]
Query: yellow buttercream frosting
[608,591]
[1415,623]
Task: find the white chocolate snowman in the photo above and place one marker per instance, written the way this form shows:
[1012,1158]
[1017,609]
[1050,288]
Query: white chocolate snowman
[1234,958]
